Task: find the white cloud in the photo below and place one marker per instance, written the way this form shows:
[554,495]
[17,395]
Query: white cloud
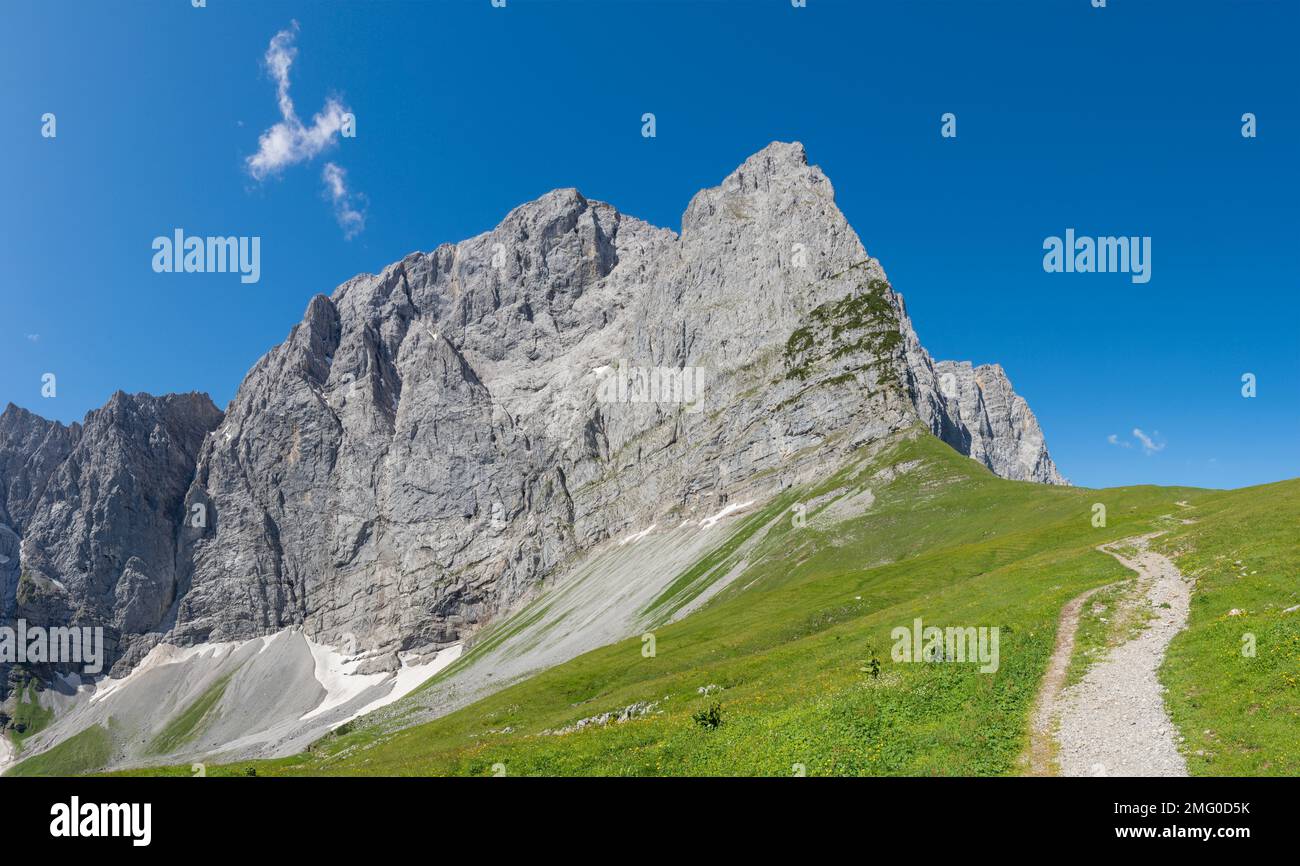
[1149,445]
[34,338]
[349,208]
[290,141]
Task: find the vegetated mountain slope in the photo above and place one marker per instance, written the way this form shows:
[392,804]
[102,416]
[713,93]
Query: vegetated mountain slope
[786,650]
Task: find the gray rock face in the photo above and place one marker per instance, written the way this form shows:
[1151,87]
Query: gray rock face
[1004,434]
[98,510]
[31,449]
[434,443]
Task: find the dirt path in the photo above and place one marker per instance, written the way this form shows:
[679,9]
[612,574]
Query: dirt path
[1039,759]
[1113,722]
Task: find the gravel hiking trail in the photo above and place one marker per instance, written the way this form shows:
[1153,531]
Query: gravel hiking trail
[1113,721]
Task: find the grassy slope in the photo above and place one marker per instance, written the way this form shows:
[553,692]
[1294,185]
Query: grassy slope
[790,643]
[29,716]
[1240,714]
[82,753]
[189,724]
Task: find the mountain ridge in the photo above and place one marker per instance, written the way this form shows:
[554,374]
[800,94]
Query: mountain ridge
[427,449]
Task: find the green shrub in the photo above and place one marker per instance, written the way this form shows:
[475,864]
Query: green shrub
[710,718]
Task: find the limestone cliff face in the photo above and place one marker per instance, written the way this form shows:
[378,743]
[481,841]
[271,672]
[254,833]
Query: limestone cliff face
[31,450]
[435,442]
[1004,434]
[98,510]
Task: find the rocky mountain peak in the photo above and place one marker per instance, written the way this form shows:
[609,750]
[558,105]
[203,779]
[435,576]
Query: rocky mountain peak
[774,187]
[780,162]
[434,444]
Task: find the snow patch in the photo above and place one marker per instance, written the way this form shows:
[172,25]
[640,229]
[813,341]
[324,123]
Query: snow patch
[708,522]
[337,675]
[637,536]
[410,677]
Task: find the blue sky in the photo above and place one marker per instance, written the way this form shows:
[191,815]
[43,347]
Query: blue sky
[1124,120]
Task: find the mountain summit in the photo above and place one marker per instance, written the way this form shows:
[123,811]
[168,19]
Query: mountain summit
[435,444]
[355,479]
